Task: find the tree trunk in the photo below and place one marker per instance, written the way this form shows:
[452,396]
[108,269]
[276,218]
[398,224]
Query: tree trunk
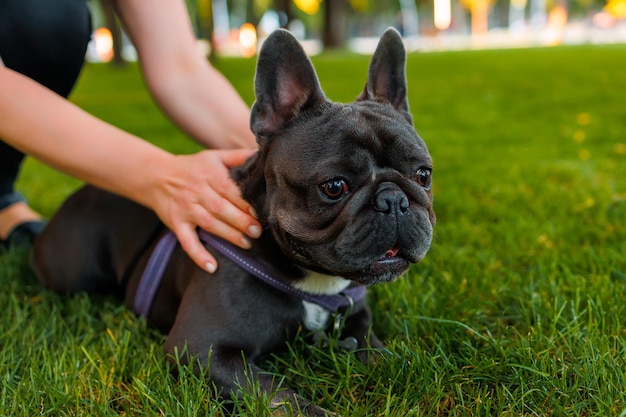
[335,21]
[116,31]
[284,7]
[205,25]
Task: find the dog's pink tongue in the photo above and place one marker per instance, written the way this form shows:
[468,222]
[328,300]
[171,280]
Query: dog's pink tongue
[392,252]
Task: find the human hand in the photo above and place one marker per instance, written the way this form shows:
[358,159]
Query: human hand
[197,191]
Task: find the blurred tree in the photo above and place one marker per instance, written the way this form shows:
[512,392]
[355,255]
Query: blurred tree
[283,7]
[204,22]
[617,8]
[479,10]
[335,22]
[111,22]
[360,5]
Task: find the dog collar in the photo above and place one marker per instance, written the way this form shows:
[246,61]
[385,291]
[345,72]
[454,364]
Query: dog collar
[151,278]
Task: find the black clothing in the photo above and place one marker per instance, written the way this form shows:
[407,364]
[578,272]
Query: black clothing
[45,40]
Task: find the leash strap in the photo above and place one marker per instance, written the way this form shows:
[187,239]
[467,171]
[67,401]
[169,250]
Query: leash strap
[151,277]
[268,274]
[159,259]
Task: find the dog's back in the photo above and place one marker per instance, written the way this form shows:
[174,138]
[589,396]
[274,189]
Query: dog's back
[90,244]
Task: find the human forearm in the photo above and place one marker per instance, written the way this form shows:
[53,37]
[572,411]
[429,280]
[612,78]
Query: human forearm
[51,129]
[185,191]
[190,91]
[208,108]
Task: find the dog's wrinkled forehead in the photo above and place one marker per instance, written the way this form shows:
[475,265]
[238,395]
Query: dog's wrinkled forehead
[381,129]
[364,133]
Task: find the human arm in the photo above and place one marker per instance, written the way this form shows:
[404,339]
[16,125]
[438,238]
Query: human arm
[185,191]
[187,88]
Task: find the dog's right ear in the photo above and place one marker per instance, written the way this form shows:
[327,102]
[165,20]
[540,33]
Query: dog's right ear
[285,84]
[386,78]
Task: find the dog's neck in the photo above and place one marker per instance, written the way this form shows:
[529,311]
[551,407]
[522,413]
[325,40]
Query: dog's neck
[300,277]
[315,317]
[321,284]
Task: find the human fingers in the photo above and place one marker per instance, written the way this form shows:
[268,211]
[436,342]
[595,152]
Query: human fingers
[202,194]
[190,242]
[222,199]
[224,218]
[224,185]
[226,232]
[235,157]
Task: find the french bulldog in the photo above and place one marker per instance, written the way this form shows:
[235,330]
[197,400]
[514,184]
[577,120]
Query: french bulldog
[343,192]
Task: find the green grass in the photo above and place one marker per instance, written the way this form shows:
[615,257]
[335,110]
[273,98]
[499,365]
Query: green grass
[519,309]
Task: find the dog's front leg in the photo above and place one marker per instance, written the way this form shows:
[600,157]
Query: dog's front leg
[233,373]
[358,326]
[202,329]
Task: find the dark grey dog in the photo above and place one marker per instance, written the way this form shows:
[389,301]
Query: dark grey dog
[343,191]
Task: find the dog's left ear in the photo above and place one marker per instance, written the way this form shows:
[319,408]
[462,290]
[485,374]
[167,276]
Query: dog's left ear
[387,74]
[285,84]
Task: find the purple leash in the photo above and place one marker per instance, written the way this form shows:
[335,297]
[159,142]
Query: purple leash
[151,277]
[160,257]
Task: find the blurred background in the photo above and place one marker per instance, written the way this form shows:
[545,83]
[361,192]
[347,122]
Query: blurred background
[238,27]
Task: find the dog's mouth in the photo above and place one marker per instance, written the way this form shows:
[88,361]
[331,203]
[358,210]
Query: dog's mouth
[385,269]
[392,259]
[391,253]
[393,263]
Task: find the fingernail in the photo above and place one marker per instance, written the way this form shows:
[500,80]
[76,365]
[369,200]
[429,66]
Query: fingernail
[211,268]
[253,212]
[245,243]
[254,231]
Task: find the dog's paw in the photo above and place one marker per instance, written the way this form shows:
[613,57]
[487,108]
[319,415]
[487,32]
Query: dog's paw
[371,356]
[298,407]
[307,413]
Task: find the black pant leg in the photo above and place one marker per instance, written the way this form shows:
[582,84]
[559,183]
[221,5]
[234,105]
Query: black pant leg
[45,40]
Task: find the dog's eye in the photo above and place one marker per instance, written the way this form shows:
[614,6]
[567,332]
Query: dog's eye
[424,177]
[335,188]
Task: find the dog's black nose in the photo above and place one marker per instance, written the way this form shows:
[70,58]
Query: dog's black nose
[390,199]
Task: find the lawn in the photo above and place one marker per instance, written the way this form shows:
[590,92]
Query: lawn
[518,310]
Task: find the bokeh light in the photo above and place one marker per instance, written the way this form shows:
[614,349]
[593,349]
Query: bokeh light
[308,6]
[617,8]
[103,40]
[247,40]
[443,14]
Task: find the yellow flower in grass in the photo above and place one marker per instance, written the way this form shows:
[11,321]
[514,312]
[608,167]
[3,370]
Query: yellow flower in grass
[545,241]
[583,119]
[620,148]
[587,203]
[579,136]
[584,154]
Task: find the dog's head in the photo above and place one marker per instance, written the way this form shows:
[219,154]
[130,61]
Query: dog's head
[344,189]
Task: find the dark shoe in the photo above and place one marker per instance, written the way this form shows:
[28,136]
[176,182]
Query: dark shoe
[23,233]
